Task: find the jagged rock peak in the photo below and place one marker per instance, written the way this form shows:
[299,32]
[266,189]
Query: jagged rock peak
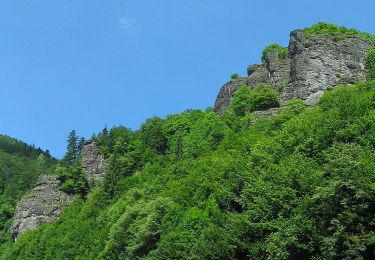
[315,62]
[41,205]
[93,163]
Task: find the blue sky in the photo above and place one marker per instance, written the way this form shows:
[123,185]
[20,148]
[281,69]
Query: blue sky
[84,64]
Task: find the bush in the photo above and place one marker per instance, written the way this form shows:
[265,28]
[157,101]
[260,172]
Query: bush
[332,29]
[370,64]
[264,97]
[72,180]
[235,76]
[247,100]
[282,51]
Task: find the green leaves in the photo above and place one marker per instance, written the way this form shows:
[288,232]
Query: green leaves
[299,185]
[370,64]
[73,180]
[275,47]
[247,100]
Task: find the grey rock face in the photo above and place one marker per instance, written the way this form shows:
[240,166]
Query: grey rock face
[323,62]
[273,72]
[278,70]
[93,163]
[42,205]
[314,63]
[226,92]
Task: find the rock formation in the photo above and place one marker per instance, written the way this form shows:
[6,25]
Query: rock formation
[41,205]
[93,163]
[45,202]
[314,63]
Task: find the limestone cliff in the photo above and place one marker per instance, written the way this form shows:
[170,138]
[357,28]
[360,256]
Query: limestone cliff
[93,163]
[41,205]
[314,63]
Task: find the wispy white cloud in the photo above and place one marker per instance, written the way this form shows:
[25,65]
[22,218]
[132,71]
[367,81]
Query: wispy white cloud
[127,25]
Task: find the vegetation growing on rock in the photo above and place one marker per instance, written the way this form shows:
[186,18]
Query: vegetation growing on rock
[275,47]
[234,76]
[332,29]
[299,185]
[198,185]
[69,172]
[20,166]
[370,64]
[247,100]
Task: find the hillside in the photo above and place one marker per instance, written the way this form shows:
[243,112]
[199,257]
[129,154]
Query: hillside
[20,166]
[263,175]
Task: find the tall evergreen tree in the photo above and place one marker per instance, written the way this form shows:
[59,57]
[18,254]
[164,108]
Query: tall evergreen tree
[80,145]
[72,152]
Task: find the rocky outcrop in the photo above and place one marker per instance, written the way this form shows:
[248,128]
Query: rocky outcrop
[45,202]
[274,72]
[323,62]
[314,63]
[41,205]
[93,163]
[226,93]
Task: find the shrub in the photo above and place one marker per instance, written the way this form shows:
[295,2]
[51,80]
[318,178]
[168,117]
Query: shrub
[264,97]
[282,51]
[235,76]
[370,64]
[72,180]
[332,29]
[247,100]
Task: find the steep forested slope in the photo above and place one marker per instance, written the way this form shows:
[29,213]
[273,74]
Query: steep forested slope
[20,165]
[197,185]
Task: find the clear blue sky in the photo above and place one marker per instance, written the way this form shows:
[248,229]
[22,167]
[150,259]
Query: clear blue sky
[84,64]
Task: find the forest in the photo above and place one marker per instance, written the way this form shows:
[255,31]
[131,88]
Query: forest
[20,166]
[197,185]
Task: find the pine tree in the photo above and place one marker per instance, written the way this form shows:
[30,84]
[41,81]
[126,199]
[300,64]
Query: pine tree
[72,152]
[80,145]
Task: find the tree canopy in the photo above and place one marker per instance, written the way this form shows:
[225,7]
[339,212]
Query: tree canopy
[197,185]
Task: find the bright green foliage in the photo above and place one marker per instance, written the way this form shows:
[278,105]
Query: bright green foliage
[72,153]
[69,173]
[282,51]
[73,179]
[300,185]
[107,139]
[241,101]
[335,30]
[370,64]
[327,28]
[152,135]
[247,100]
[20,166]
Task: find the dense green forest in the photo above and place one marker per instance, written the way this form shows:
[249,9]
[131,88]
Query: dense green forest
[20,166]
[197,185]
